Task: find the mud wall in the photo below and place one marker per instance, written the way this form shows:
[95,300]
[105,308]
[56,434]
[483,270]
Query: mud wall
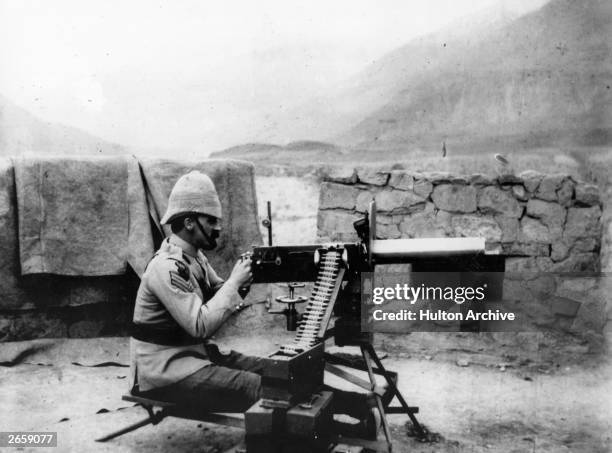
[548,227]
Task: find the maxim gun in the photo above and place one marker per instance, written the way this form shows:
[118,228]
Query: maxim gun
[293,376]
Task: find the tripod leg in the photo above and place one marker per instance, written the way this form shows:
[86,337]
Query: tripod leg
[379,402]
[415,422]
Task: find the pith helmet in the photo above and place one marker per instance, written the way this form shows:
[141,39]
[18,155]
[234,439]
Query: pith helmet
[193,193]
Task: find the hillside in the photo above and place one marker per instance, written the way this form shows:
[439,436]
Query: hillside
[297,152]
[21,132]
[343,105]
[542,79]
[246,150]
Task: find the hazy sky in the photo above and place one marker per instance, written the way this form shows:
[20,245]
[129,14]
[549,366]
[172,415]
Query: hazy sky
[196,74]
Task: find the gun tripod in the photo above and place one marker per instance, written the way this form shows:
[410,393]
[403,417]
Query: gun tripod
[372,364]
[280,423]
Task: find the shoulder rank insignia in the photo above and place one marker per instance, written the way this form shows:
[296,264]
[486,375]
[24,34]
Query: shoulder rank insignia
[179,278]
[182,270]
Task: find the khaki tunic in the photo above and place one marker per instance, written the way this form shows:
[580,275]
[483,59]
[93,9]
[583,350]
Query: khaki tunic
[180,287]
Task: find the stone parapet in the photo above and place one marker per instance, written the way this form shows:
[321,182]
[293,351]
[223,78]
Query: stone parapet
[553,220]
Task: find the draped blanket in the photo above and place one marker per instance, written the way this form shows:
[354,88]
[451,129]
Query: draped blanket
[73,225]
[81,216]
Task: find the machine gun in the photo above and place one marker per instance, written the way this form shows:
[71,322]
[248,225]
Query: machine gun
[293,405]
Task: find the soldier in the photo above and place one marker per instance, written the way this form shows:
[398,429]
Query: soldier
[181,302]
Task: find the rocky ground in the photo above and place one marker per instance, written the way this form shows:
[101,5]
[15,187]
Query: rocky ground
[52,385]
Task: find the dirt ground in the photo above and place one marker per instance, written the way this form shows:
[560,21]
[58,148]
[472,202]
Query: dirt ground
[51,385]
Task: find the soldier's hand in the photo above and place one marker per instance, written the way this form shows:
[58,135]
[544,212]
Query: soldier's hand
[242,274]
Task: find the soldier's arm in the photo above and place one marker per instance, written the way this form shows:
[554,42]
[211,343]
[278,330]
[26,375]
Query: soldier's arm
[179,297]
[216,282]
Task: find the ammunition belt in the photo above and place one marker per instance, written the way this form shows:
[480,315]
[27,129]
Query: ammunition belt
[309,331]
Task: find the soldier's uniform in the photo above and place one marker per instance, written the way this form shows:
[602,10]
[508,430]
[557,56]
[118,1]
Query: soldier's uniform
[180,303]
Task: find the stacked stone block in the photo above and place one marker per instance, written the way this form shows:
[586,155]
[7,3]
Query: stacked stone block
[547,223]
[549,227]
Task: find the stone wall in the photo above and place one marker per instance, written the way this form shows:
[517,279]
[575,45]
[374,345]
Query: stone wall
[546,226]
[542,222]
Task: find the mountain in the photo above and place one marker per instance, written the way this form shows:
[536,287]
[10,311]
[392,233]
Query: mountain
[541,79]
[21,132]
[344,104]
[293,153]
[311,145]
[246,149]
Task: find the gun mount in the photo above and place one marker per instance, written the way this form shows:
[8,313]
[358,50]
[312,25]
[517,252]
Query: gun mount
[295,372]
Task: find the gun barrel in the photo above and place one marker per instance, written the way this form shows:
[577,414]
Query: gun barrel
[406,250]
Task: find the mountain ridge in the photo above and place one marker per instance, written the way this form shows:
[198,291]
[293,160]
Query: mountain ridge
[22,132]
[361,94]
[537,81]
